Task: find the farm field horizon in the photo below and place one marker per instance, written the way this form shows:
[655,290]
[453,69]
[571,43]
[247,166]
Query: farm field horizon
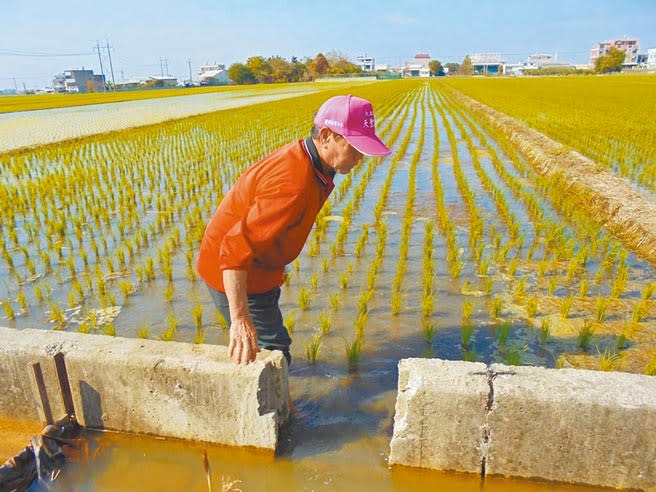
[451,247]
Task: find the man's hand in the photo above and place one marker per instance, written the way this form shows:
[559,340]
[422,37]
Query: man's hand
[243,346]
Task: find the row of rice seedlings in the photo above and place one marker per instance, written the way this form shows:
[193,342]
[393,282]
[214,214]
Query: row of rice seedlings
[408,218]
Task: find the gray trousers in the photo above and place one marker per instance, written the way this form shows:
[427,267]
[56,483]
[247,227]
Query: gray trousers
[267,318]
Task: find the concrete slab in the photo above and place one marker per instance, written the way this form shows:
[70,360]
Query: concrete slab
[573,426]
[146,386]
[440,412]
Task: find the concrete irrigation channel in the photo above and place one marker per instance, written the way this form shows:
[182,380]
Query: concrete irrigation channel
[564,425]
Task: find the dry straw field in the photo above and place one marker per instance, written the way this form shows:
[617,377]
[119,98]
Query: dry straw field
[453,246]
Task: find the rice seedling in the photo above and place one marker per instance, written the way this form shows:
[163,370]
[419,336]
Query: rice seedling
[197,315]
[169,292]
[566,306]
[109,329]
[514,356]
[545,330]
[396,302]
[553,284]
[303,299]
[429,330]
[650,368]
[470,355]
[466,333]
[503,332]
[467,310]
[314,281]
[325,264]
[427,304]
[585,335]
[312,348]
[361,322]
[85,327]
[335,301]
[584,288]
[353,353]
[344,279]
[325,321]
[144,331]
[648,291]
[168,335]
[290,322]
[601,309]
[608,360]
[9,311]
[496,306]
[220,320]
[127,289]
[640,310]
[532,307]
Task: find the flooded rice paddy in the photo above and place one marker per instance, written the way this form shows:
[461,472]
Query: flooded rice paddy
[452,247]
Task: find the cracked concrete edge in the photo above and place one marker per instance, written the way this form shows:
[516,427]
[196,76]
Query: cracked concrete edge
[168,389]
[566,425]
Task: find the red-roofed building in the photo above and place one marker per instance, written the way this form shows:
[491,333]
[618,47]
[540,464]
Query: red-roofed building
[418,66]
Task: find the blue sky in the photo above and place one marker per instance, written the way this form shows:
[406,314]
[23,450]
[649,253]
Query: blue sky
[143,32]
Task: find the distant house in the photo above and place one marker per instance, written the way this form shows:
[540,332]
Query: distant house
[651,59]
[212,75]
[163,81]
[629,46]
[418,66]
[79,81]
[366,63]
[487,63]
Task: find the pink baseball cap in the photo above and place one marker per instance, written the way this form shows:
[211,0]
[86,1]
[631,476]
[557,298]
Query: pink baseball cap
[353,118]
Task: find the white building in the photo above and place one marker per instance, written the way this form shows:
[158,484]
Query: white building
[366,63]
[212,75]
[485,63]
[418,66]
[629,46]
[651,59]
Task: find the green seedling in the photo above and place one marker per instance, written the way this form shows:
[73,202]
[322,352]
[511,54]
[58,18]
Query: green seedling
[545,330]
[585,335]
[197,315]
[429,330]
[353,353]
[325,321]
[496,307]
[514,356]
[532,307]
[290,322]
[466,333]
[304,299]
[601,309]
[608,360]
[312,348]
[503,332]
[566,306]
[335,301]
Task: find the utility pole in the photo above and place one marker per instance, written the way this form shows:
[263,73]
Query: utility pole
[15,84]
[166,64]
[111,68]
[102,71]
[189,63]
[161,66]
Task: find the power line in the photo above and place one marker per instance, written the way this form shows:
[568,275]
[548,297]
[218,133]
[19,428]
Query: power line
[40,54]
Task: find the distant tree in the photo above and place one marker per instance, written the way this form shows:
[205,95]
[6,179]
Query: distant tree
[240,74]
[611,61]
[452,67]
[281,69]
[299,70]
[340,64]
[319,65]
[466,68]
[260,69]
[436,68]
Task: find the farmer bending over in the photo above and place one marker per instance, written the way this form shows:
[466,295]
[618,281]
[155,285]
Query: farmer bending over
[262,223]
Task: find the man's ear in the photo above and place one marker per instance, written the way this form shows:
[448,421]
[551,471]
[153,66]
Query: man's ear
[324,135]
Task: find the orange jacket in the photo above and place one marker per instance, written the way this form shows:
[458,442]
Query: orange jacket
[262,223]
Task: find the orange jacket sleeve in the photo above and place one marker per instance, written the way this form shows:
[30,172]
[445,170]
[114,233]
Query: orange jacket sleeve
[272,211]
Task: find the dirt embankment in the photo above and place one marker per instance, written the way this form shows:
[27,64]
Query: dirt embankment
[609,199]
